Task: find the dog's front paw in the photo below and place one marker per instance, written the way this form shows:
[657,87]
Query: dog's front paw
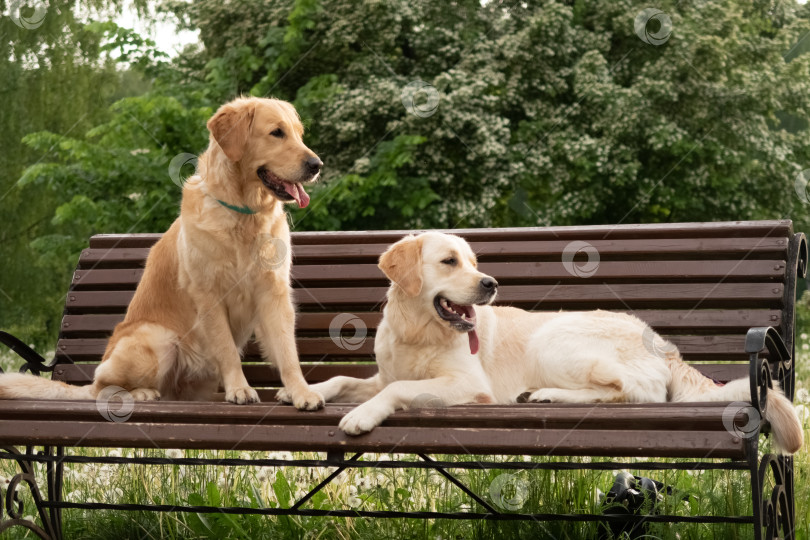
[359,420]
[242,395]
[304,400]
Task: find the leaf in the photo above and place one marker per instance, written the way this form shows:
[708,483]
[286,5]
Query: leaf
[282,490]
[214,497]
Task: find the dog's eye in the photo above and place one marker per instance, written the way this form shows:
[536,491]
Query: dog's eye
[278,132]
[451,261]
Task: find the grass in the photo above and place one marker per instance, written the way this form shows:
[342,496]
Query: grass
[712,492]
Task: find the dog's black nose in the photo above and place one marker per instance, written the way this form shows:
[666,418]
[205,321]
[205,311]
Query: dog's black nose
[313,164]
[489,284]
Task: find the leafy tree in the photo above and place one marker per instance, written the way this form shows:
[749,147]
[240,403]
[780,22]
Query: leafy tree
[435,115]
[55,76]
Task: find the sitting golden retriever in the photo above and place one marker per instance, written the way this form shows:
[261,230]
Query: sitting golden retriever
[220,273]
[439,337]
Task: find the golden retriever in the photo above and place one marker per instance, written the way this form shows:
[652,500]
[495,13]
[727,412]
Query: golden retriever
[439,337]
[220,274]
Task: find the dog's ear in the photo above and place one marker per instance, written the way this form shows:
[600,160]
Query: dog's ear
[402,263]
[230,127]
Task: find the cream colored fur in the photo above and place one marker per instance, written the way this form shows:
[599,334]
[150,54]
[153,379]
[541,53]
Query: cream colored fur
[564,357]
[215,278]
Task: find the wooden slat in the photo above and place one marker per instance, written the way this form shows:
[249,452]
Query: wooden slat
[668,416]
[704,321]
[505,273]
[91,349]
[563,442]
[644,230]
[712,248]
[708,347]
[265,375]
[547,297]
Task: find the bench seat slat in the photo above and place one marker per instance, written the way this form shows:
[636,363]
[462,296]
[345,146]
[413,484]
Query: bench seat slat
[670,416]
[567,442]
[265,375]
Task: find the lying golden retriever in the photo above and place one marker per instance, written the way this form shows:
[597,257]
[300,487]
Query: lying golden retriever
[220,274]
[439,337]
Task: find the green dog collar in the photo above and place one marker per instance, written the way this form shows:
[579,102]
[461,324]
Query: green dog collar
[240,209]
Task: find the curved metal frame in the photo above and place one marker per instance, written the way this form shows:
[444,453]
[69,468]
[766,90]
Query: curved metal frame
[34,363]
[14,505]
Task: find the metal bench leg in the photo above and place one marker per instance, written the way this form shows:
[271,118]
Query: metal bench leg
[775,516]
[55,475]
[752,444]
[14,505]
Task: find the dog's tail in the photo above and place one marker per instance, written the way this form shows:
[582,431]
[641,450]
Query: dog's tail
[19,385]
[688,384]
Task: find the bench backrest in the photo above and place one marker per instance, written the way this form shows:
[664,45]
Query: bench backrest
[702,285]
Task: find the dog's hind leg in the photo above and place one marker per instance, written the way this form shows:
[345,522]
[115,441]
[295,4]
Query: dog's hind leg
[134,362]
[583,395]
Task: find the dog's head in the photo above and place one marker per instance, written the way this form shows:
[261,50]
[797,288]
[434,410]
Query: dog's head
[440,272]
[264,137]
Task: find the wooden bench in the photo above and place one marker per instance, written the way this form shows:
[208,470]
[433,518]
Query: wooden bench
[724,293]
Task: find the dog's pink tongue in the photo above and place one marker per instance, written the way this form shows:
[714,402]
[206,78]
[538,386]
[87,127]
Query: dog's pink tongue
[297,192]
[473,341]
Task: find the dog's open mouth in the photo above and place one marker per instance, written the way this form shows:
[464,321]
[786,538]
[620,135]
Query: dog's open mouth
[286,191]
[460,317]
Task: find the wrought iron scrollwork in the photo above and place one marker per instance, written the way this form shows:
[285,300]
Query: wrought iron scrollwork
[762,370]
[12,505]
[776,510]
[33,361]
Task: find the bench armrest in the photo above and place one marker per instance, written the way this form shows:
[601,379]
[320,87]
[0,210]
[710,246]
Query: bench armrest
[761,369]
[33,361]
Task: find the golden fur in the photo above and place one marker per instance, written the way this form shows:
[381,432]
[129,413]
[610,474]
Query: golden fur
[216,277]
[568,357]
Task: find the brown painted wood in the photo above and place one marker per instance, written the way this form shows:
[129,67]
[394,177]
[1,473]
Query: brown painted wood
[666,416]
[505,273]
[567,442]
[647,230]
[260,375]
[711,248]
[729,347]
[584,296]
[714,321]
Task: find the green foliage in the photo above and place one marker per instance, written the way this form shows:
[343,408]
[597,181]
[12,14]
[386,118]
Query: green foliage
[56,77]
[544,113]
